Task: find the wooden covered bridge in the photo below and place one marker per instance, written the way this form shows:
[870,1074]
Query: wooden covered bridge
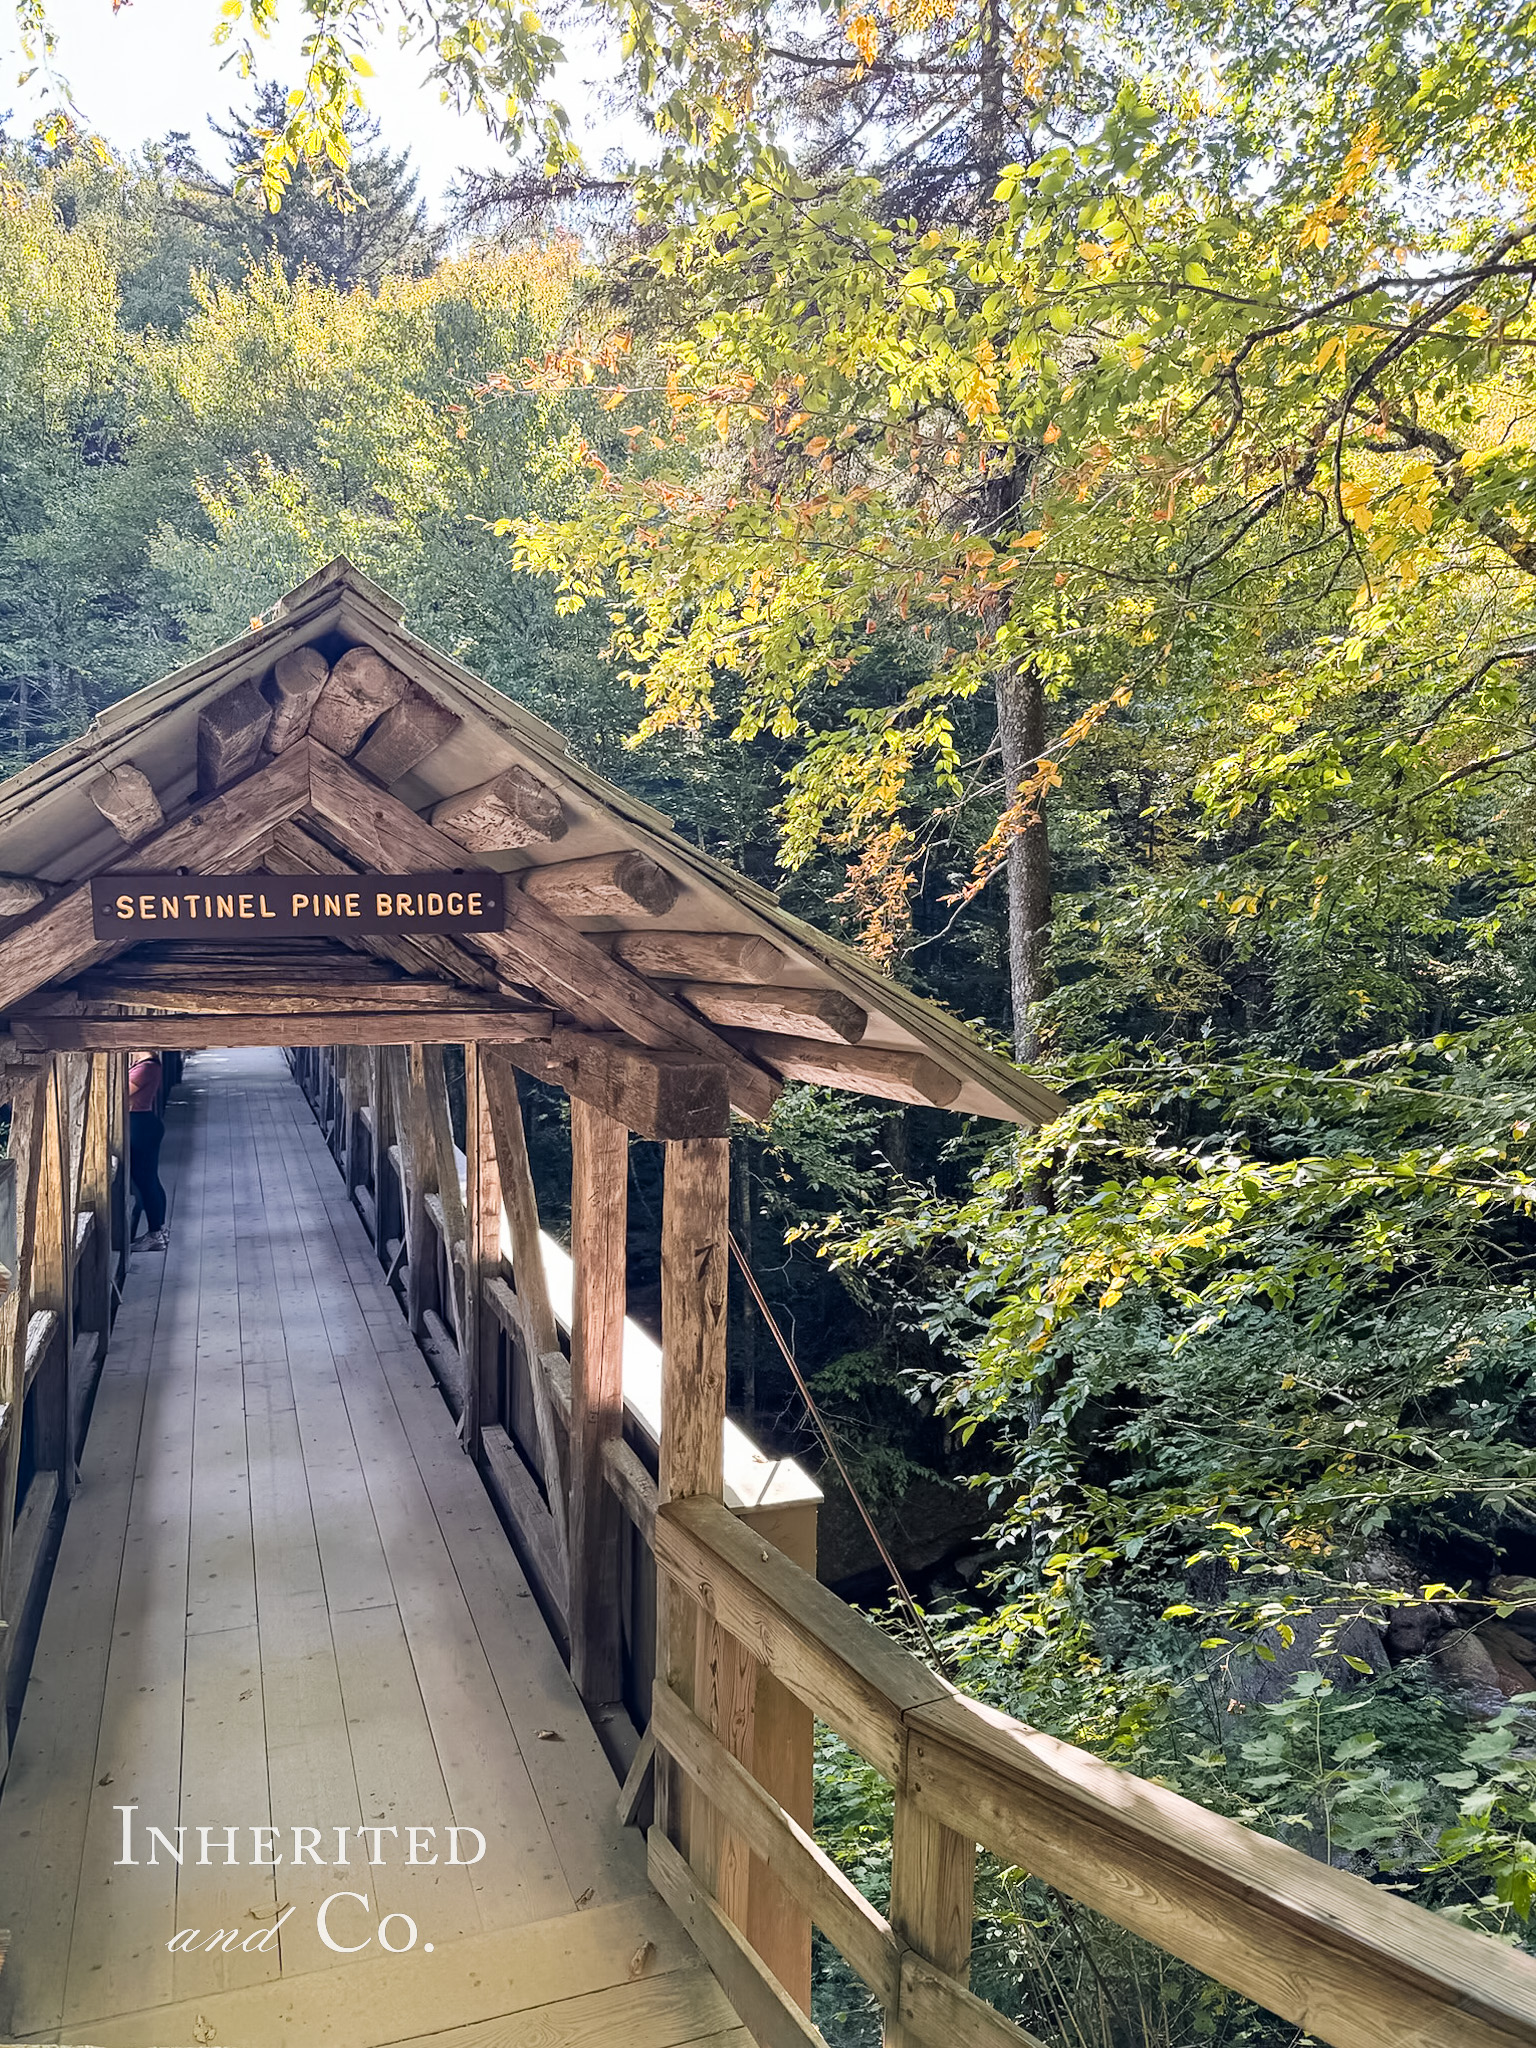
[398,1645]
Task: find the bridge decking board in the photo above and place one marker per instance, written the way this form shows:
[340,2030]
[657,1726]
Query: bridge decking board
[283,1597]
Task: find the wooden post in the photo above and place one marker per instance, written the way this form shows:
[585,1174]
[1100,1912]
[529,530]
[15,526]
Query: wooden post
[96,1197]
[599,1222]
[52,1276]
[29,1110]
[695,1266]
[117,1166]
[449,1193]
[482,1253]
[933,1899]
[783,1759]
[407,1081]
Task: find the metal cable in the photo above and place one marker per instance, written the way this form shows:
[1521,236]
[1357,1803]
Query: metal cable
[819,1421]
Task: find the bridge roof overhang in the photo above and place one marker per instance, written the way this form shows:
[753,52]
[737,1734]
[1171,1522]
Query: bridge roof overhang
[625,947]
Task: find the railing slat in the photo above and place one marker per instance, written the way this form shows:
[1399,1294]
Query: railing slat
[767,2011]
[935,2008]
[838,1909]
[844,1669]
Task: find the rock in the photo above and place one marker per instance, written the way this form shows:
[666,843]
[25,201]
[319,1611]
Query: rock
[1468,1668]
[1519,1593]
[1257,1681]
[1513,1656]
[1414,1631]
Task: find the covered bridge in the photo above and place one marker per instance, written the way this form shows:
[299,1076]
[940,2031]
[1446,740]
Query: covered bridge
[399,1645]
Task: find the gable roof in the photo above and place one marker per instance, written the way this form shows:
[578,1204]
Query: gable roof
[880,1039]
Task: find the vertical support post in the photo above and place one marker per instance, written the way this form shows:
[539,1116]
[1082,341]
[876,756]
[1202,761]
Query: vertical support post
[117,1167]
[482,1252]
[933,1900]
[783,1760]
[695,1269]
[52,1275]
[599,1226]
[29,1106]
[408,1083]
[449,1192]
[96,1197]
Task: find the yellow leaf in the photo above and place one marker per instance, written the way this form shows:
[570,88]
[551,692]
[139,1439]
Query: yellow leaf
[863,31]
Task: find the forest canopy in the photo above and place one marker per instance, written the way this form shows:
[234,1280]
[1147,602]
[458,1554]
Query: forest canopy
[1057,493]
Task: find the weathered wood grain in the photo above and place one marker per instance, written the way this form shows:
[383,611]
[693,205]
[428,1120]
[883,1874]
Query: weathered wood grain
[361,687]
[230,733]
[292,689]
[784,1846]
[771,2016]
[361,1026]
[58,939]
[866,1070]
[512,809]
[538,948]
[1335,1955]
[627,884]
[819,1013]
[126,798]
[416,726]
[853,1677]
[699,956]
[599,1222]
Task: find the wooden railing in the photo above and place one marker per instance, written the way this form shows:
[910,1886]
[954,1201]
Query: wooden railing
[718,1598]
[66,1217]
[1347,1962]
[366,1101]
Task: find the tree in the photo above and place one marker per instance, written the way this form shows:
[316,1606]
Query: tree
[378,229]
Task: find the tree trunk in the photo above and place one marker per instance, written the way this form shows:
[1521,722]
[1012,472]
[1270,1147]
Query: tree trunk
[1021,738]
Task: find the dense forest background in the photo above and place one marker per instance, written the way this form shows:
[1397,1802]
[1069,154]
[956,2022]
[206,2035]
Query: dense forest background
[1073,540]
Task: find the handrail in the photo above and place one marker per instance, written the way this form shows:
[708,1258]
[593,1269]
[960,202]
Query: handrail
[1326,1950]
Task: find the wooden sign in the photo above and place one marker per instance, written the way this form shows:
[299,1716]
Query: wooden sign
[198,908]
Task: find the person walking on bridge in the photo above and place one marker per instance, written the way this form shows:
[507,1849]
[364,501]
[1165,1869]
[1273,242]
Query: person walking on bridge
[146,1132]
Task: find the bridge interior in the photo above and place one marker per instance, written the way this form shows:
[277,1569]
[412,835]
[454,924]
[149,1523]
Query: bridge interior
[283,1600]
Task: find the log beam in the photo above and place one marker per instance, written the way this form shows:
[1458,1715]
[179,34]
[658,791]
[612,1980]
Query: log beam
[699,956]
[371,1026]
[285,998]
[824,1014]
[512,809]
[59,939]
[417,726]
[359,689]
[626,884]
[230,734]
[657,1094]
[537,947]
[599,1213]
[126,798]
[293,689]
[868,1070]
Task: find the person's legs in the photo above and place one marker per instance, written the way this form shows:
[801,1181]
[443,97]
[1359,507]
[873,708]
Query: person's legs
[145,1132]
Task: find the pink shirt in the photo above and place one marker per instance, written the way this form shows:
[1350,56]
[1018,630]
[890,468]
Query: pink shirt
[143,1084]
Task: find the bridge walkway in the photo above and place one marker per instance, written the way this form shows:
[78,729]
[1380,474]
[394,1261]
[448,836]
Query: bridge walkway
[282,1602]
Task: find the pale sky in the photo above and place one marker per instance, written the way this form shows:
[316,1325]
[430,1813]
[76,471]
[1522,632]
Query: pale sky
[152,67]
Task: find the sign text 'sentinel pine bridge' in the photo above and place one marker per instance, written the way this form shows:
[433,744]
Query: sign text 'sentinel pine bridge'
[265,906]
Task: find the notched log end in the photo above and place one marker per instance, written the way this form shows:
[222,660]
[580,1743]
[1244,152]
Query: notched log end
[19,894]
[126,798]
[510,810]
[230,734]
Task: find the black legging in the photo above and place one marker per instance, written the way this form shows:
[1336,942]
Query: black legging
[145,1132]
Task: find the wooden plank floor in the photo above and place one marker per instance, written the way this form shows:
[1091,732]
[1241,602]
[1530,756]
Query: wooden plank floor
[283,1602]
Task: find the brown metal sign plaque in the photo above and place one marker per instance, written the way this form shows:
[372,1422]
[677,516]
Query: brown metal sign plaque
[263,906]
